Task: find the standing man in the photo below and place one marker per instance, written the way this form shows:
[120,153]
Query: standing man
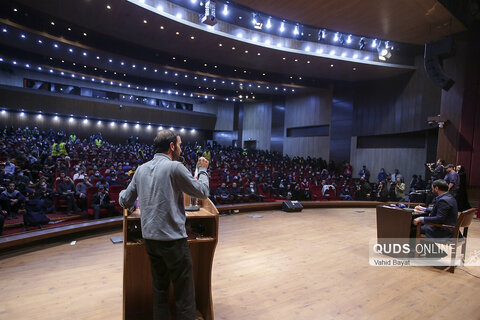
[452,179]
[159,185]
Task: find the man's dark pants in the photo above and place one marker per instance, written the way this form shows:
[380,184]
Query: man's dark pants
[171,261]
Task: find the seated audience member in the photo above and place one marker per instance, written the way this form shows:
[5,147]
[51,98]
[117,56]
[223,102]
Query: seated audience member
[345,194]
[382,191]
[35,213]
[364,190]
[22,182]
[9,167]
[96,175]
[305,186]
[444,211]
[236,192]
[79,175]
[12,200]
[114,180]
[326,187]
[102,200]
[102,182]
[400,189]
[222,194]
[45,194]
[251,193]
[81,192]
[5,178]
[66,191]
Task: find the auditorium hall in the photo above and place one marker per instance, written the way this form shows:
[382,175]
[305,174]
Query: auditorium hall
[219,159]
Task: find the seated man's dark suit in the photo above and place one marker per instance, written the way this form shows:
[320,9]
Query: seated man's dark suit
[444,211]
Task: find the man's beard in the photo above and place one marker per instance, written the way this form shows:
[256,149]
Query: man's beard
[175,154]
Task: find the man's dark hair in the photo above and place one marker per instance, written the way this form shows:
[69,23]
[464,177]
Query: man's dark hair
[442,161]
[441,184]
[162,141]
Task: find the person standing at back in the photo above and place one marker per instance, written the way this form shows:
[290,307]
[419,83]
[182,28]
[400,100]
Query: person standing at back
[159,185]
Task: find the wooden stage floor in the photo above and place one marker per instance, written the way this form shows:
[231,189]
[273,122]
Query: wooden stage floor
[308,265]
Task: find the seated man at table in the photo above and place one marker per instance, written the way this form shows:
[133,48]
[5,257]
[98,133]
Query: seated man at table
[444,211]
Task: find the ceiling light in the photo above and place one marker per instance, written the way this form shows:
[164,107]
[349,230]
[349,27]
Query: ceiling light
[269,23]
[108,7]
[282,27]
[349,39]
[160,8]
[374,43]
[295,31]
[179,15]
[225,10]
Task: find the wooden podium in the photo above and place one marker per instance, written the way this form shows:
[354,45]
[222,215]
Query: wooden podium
[202,228]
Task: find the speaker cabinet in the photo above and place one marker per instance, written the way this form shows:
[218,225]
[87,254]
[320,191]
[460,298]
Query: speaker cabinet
[434,53]
[292,206]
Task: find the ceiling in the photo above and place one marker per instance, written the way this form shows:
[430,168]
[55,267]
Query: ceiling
[120,33]
[407,21]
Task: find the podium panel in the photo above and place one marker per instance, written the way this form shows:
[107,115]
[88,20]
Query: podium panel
[202,230]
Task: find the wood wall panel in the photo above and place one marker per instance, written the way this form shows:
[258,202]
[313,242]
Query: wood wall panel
[317,147]
[408,161]
[223,110]
[28,99]
[308,110]
[399,104]
[257,124]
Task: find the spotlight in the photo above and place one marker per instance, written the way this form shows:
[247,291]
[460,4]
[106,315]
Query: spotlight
[383,52]
[282,26]
[374,43]
[257,21]
[295,31]
[209,17]
[336,38]
[268,25]
[349,39]
[22,114]
[225,10]
[361,43]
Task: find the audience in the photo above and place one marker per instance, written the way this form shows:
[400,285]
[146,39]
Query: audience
[41,165]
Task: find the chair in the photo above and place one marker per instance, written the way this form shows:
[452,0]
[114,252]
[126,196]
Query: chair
[464,220]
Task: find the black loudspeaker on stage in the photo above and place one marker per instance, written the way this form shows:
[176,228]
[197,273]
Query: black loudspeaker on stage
[434,53]
[292,206]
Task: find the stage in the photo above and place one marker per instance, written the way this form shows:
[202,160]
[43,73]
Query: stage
[307,265]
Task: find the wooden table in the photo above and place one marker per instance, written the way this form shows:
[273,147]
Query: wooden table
[394,223]
[137,278]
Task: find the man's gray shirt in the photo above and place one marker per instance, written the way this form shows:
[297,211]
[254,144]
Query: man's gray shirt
[160,184]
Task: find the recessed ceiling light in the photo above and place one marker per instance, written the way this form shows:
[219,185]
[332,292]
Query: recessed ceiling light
[52,23]
[109,7]
[177,33]
[220,44]
[296,60]
[354,69]
[69,29]
[162,27]
[283,58]
[233,48]
[331,66]
[308,61]
[85,34]
[192,37]
[258,54]
[246,51]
